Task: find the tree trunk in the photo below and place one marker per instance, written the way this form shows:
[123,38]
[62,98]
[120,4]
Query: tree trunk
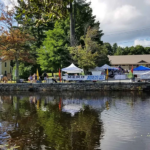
[72,33]
[17,71]
[74,21]
[17,112]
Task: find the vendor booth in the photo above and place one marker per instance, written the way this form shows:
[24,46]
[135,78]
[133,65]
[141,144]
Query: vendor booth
[140,70]
[97,71]
[145,75]
[116,76]
[120,77]
[108,67]
[72,69]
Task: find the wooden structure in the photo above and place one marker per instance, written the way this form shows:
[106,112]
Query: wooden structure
[127,61]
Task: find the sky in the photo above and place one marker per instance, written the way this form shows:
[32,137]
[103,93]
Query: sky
[125,22]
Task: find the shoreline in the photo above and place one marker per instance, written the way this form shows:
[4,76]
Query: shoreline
[104,86]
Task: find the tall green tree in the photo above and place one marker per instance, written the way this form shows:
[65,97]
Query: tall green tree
[147,50]
[139,49]
[37,30]
[47,10]
[119,51]
[80,12]
[92,54]
[115,46]
[80,19]
[85,19]
[53,54]
[109,48]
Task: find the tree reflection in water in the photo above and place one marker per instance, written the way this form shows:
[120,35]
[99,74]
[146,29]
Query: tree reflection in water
[38,123]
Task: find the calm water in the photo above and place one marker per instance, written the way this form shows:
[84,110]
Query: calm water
[75,121]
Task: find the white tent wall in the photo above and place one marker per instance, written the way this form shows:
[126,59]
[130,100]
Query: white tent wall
[140,72]
[146,73]
[72,69]
[96,73]
[108,67]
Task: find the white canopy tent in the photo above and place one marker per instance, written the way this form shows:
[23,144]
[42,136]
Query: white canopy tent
[72,69]
[76,105]
[145,75]
[140,72]
[96,71]
[72,108]
[108,67]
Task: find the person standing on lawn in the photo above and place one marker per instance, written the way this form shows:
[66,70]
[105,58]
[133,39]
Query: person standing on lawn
[45,76]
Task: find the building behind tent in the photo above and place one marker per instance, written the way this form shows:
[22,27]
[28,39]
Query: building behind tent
[127,61]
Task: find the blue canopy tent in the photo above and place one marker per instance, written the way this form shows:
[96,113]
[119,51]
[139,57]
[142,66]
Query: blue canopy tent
[108,67]
[141,68]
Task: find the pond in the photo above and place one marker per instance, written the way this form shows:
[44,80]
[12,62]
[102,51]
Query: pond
[75,121]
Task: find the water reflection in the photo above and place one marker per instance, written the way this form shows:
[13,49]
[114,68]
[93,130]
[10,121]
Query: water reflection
[75,121]
[49,122]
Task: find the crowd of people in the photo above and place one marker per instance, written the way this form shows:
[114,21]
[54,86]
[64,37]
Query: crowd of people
[121,71]
[34,78]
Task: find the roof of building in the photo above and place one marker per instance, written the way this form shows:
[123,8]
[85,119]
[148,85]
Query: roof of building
[129,59]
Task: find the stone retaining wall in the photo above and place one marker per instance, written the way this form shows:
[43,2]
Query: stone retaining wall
[74,87]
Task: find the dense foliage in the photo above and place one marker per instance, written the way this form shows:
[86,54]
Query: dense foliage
[91,54]
[14,43]
[62,35]
[46,10]
[53,54]
[133,50]
[53,36]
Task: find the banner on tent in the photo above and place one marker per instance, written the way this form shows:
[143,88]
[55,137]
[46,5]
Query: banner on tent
[145,76]
[88,77]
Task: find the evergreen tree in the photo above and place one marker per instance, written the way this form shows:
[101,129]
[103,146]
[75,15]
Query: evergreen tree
[109,48]
[133,50]
[115,46]
[37,30]
[82,18]
[147,50]
[92,54]
[119,51]
[85,19]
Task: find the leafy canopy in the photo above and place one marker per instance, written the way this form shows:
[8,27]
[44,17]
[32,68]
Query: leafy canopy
[91,54]
[46,9]
[53,54]
[14,43]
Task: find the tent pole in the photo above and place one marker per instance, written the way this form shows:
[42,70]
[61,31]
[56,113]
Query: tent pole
[61,77]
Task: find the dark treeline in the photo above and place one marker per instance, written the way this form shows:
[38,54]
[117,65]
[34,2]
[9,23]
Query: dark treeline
[133,50]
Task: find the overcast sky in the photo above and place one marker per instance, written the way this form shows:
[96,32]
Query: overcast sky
[125,22]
